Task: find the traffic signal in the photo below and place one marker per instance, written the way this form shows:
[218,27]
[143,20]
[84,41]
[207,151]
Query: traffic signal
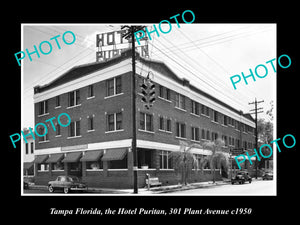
[151,93]
[144,88]
[148,93]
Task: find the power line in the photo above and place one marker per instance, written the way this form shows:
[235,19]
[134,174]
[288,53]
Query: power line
[212,85]
[218,64]
[189,46]
[192,73]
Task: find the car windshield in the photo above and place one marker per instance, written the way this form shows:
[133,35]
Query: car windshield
[74,179]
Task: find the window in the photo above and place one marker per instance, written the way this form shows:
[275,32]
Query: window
[165,161]
[57,127]
[31,147]
[146,121]
[94,165]
[179,101]
[74,98]
[57,101]
[203,134]
[161,91]
[236,125]
[57,166]
[168,128]
[224,138]
[204,110]
[41,131]
[215,116]
[214,136]
[164,92]
[114,121]
[43,167]
[118,164]
[90,91]
[90,123]
[180,130]
[43,107]
[230,121]
[207,135]
[195,107]
[164,124]
[74,129]
[26,148]
[195,133]
[161,123]
[114,86]
[225,122]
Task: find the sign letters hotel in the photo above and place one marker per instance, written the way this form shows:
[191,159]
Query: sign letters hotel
[111,44]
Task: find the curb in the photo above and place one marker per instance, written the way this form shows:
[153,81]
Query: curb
[188,187]
[156,190]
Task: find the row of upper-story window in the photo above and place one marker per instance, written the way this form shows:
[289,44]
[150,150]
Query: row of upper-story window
[29,146]
[114,123]
[198,109]
[114,87]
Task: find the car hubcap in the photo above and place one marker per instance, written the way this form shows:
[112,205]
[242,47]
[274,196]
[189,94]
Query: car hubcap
[66,190]
[50,188]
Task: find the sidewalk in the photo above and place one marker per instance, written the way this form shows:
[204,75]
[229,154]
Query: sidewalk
[145,191]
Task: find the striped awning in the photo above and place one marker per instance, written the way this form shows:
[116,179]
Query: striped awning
[91,156]
[40,158]
[54,158]
[114,154]
[27,165]
[72,157]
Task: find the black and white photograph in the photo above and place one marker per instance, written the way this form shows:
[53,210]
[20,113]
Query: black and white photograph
[163,114]
[191,129]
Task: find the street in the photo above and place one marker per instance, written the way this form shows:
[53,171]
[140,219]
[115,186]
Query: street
[257,187]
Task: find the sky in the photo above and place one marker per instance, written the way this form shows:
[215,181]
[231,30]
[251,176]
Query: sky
[206,54]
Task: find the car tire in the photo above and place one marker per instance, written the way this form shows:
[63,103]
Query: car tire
[50,188]
[66,190]
[250,181]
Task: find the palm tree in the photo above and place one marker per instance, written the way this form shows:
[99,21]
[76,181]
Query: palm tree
[184,161]
[217,159]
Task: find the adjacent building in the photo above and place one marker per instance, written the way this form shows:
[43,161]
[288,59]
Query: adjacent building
[96,146]
[28,155]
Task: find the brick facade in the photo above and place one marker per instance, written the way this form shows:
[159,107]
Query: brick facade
[99,106]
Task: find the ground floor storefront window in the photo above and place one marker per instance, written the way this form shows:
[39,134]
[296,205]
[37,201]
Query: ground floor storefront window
[57,166]
[118,164]
[146,158]
[94,165]
[165,160]
[43,167]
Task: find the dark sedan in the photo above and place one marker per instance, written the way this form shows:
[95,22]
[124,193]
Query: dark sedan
[267,176]
[241,177]
[67,184]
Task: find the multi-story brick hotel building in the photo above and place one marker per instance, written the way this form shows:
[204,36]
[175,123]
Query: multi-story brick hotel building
[96,146]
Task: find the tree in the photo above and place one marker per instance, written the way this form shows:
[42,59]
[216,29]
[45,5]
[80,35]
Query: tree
[217,160]
[265,133]
[184,160]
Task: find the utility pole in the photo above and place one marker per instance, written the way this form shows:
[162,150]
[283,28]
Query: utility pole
[256,129]
[130,35]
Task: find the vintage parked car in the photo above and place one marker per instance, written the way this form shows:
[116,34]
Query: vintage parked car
[67,184]
[241,177]
[267,176]
[25,185]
